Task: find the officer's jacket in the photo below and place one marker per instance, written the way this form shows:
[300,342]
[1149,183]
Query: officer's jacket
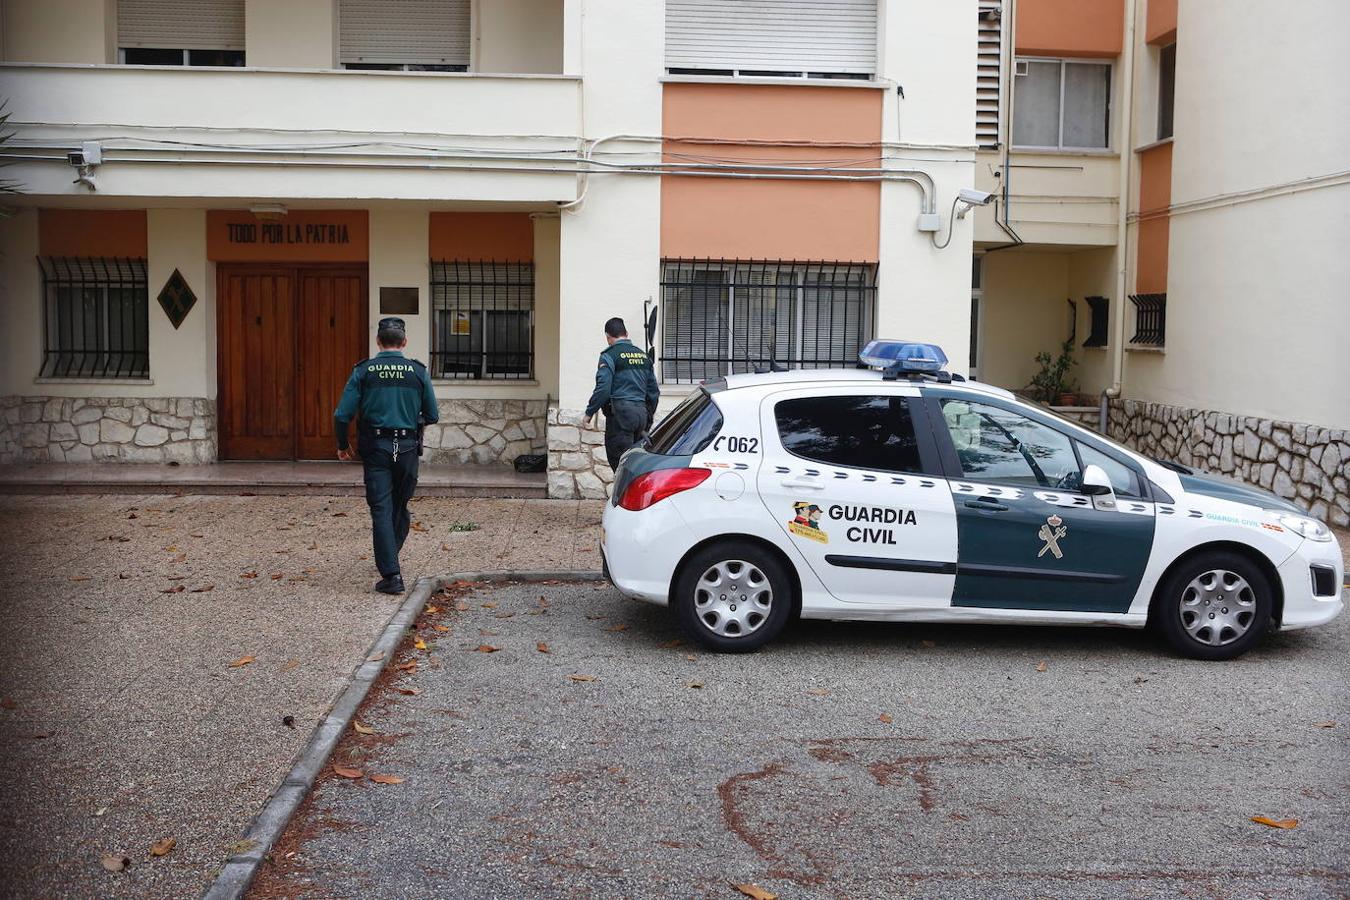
[625,373]
[389,391]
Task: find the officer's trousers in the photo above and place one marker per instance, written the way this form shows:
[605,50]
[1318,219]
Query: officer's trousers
[390,484]
[625,425]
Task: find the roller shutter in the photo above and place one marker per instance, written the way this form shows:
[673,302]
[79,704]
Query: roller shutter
[796,36]
[175,24]
[989,73]
[413,32]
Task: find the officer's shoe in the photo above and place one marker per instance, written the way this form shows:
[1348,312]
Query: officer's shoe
[391,585]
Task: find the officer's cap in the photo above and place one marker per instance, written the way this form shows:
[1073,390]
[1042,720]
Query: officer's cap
[392,329]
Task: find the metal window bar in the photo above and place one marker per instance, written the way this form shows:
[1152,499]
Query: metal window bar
[96,317]
[482,324]
[1150,319]
[1099,321]
[727,316]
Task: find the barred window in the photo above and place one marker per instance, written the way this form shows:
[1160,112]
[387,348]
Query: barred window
[720,317]
[95,317]
[1150,320]
[482,319]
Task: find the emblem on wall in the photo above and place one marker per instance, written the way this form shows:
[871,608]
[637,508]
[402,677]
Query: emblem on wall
[805,522]
[1051,532]
[177,299]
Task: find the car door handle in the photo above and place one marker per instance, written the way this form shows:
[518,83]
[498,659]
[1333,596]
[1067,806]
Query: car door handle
[986,504]
[804,485]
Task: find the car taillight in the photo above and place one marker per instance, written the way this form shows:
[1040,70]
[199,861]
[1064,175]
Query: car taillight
[653,487]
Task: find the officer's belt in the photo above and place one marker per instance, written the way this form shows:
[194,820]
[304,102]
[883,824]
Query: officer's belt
[391,432]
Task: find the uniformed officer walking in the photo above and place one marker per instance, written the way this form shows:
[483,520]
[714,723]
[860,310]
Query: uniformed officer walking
[625,386]
[393,396]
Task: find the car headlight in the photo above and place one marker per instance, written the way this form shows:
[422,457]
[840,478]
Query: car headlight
[1303,526]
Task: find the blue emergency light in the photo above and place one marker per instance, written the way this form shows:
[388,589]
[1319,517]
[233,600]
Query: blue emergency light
[904,357]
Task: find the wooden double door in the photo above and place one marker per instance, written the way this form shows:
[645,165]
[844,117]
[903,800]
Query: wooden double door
[288,338]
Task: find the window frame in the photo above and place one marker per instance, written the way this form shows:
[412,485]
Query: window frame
[103,275]
[1063,61]
[1167,88]
[187,57]
[930,460]
[525,271]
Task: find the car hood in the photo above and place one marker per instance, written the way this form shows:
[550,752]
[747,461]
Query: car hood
[1236,491]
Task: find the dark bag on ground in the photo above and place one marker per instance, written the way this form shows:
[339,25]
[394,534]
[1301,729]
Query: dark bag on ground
[531,462]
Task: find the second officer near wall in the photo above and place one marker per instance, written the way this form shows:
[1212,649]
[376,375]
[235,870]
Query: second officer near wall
[393,396]
[625,387]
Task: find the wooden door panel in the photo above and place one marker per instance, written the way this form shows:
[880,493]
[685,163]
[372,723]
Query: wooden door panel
[256,323]
[332,338]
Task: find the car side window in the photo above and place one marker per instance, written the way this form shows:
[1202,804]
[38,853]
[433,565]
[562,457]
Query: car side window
[861,431]
[1124,480]
[997,445]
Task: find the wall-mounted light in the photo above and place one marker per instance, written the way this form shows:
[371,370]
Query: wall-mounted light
[268,212]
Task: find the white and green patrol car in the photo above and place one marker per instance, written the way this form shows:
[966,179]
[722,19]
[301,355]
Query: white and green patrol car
[901,493]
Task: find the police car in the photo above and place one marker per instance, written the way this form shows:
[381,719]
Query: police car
[904,493]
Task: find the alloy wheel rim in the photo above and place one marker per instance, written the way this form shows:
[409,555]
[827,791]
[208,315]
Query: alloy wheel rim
[733,598]
[1217,607]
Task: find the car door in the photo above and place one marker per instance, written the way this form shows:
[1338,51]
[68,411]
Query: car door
[1027,538]
[850,476]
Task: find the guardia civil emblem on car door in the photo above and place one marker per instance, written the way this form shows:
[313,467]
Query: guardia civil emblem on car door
[1053,529]
[806,522]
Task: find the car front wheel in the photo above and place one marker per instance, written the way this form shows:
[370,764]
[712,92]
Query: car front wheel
[734,597]
[1215,606]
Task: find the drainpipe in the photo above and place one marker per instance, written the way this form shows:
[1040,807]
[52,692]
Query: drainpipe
[1122,218]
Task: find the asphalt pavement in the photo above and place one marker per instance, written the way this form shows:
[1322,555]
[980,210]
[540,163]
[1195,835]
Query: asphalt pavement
[845,760]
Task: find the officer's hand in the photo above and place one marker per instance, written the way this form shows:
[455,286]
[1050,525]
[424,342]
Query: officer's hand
[345,455]
[586,422]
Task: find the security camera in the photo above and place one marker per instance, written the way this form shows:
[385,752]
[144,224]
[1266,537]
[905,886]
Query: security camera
[76,158]
[84,160]
[974,197]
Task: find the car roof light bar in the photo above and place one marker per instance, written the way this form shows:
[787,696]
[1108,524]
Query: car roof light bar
[911,359]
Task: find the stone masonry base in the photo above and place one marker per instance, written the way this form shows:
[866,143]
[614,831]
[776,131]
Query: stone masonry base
[117,429]
[577,467]
[485,431]
[1303,463]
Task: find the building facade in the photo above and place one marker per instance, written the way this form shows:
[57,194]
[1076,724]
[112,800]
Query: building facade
[1174,199]
[219,200]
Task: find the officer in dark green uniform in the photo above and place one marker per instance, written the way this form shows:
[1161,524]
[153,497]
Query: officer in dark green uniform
[394,398]
[625,386]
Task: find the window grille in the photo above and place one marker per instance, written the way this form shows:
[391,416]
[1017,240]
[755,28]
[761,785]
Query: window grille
[482,319]
[721,317]
[1150,319]
[1100,311]
[96,317]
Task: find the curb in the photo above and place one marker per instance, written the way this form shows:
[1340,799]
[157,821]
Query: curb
[240,869]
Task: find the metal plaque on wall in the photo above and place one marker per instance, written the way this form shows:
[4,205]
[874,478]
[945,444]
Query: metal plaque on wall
[177,298]
[398,301]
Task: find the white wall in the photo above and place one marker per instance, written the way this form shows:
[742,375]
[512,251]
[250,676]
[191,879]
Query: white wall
[299,34]
[58,31]
[518,36]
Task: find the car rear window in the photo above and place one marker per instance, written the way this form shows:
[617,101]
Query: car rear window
[689,428]
[862,431]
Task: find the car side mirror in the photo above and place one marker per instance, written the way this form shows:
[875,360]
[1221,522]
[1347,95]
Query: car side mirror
[1096,483]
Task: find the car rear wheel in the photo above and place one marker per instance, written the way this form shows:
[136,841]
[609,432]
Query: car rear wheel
[1215,606]
[733,597]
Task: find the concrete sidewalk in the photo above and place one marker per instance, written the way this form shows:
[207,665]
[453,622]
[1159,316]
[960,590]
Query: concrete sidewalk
[123,720]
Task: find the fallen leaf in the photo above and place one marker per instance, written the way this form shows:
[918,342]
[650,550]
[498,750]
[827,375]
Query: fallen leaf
[409,666]
[411,692]
[486,648]
[314,546]
[491,604]
[116,862]
[418,526]
[163,846]
[176,589]
[123,576]
[927,643]
[420,644]
[485,633]
[386,779]
[819,692]
[182,557]
[541,647]
[622,626]
[432,610]
[249,575]
[755,892]
[290,664]
[885,718]
[206,589]
[194,534]
[375,657]
[691,657]
[1275,823]
[242,661]
[346,772]
[100,811]
[172,549]
[696,685]
[445,546]
[670,645]
[1326,724]
[277,576]
[361,729]
[461,606]
[339,515]
[288,721]
[133,516]
[441,628]
[582,677]
[243,845]
[1041,666]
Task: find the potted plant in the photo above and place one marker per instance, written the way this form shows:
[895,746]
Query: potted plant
[1052,384]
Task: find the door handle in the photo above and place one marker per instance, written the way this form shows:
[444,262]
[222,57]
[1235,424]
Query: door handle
[986,504]
[804,485]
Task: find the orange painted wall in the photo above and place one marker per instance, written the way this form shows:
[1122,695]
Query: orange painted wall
[92,232]
[1155,196]
[474,236]
[1070,27]
[770,219]
[302,235]
[1160,22]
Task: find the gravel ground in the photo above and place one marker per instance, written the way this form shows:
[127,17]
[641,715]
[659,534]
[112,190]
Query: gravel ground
[121,720]
[846,760]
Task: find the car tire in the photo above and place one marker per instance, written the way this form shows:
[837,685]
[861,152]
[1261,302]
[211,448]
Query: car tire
[732,596]
[1214,606]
